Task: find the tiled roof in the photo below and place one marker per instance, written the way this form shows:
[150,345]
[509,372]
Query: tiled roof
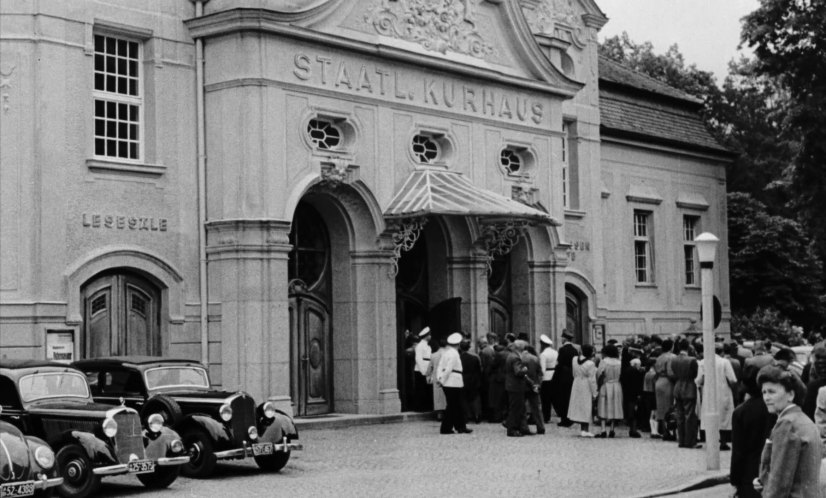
[633,103]
[614,72]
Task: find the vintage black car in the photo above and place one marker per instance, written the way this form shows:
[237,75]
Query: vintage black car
[27,464]
[214,424]
[52,401]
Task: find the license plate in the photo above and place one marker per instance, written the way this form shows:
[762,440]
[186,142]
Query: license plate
[16,489]
[141,466]
[259,449]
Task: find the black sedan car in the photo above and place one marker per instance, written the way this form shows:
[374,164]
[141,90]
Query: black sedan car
[213,424]
[27,464]
[52,401]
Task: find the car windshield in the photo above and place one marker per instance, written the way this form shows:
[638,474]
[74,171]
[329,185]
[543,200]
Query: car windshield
[157,378]
[53,385]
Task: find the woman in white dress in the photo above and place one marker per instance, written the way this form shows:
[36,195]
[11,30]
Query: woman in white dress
[584,390]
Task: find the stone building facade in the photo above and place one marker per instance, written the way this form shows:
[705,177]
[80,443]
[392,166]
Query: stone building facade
[286,189]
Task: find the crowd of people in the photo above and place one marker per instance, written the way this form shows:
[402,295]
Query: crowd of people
[771,409]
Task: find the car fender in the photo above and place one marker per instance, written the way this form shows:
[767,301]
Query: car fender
[34,443]
[287,424]
[209,426]
[159,445]
[97,450]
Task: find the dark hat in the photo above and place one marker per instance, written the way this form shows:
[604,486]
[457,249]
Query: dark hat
[567,335]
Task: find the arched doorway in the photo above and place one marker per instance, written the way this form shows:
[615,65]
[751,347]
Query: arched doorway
[576,315]
[310,289]
[121,316]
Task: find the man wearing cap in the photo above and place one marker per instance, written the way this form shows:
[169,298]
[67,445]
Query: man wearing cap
[563,379]
[424,396]
[449,378]
[547,360]
[515,386]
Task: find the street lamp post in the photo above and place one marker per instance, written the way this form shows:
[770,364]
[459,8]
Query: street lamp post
[706,244]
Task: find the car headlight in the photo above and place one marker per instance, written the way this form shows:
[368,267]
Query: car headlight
[110,427]
[44,456]
[176,446]
[253,432]
[155,422]
[269,410]
[226,413]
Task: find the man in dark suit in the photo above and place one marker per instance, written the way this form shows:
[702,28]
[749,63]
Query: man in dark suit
[486,356]
[563,379]
[751,424]
[816,382]
[515,386]
[533,378]
[685,395]
[472,377]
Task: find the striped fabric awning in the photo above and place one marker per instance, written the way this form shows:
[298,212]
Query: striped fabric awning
[431,191]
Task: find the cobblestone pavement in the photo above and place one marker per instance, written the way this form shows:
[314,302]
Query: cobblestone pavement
[413,459]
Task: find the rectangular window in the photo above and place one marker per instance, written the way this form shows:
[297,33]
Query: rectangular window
[689,232]
[566,187]
[643,264]
[118,96]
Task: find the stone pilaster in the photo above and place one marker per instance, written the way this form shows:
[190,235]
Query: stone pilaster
[248,275]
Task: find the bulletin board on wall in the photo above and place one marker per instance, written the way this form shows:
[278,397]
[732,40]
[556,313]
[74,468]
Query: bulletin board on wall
[598,335]
[60,345]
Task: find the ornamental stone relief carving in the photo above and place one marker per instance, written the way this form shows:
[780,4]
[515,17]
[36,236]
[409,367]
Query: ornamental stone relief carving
[438,25]
[6,72]
[557,18]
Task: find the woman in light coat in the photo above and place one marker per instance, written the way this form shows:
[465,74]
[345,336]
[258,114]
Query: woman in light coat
[609,404]
[725,397]
[584,390]
[439,400]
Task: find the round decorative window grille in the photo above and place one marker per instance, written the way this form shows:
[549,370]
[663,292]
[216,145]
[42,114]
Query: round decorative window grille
[510,160]
[323,134]
[425,149]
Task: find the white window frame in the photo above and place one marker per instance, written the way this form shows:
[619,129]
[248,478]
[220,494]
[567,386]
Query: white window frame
[565,155]
[690,264]
[643,240]
[118,98]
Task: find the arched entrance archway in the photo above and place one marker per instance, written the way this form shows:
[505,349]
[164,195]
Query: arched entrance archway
[310,290]
[122,312]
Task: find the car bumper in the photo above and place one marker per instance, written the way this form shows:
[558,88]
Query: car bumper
[111,470]
[172,461]
[48,483]
[247,451]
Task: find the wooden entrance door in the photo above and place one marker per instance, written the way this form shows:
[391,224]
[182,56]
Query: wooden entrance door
[121,317]
[310,323]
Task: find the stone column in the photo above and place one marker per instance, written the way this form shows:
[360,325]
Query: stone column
[374,323]
[248,275]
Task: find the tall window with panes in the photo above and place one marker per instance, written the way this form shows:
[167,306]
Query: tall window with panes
[566,173]
[118,98]
[643,260]
[690,224]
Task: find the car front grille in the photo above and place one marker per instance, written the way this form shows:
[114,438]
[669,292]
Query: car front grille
[54,426]
[243,416]
[129,439]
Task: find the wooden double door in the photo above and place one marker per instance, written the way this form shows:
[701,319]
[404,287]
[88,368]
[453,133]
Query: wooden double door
[121,316]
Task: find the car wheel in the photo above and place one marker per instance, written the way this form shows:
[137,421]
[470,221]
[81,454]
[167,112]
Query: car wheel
[167,407]
[161,478]
[201,455]
[274,462]
[78,479]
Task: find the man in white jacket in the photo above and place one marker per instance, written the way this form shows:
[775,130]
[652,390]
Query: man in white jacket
[449,378]
[423,389]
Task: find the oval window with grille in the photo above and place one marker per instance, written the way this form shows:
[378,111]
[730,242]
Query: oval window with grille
[425,149]
[510,161]
[324,134]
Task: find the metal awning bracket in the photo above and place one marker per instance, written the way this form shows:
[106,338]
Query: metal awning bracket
[498,237]
[406,232]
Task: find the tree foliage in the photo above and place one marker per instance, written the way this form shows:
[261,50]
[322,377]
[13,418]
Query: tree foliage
[789,40]
[772,263]
[766,323]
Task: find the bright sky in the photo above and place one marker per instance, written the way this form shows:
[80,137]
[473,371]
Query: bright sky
[706,31]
